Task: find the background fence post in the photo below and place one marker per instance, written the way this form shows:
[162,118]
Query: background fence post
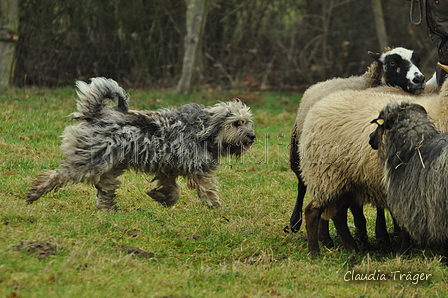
[196,15]
[380,25]
[9,25]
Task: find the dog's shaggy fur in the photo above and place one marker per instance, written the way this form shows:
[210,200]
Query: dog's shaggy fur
[168,143]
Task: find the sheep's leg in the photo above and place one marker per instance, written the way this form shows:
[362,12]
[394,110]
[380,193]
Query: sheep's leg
[312,218]
[397,228]
[166,192]
[106,187]
[324,233]
[340,222]
[206,188]
[360,223]
[381,233]
[445,253]
[296,218]
[405,241]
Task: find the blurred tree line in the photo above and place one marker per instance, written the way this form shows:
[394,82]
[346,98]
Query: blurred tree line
[245,43]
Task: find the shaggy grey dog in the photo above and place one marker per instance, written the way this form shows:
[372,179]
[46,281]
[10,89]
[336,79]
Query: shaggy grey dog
[168,143]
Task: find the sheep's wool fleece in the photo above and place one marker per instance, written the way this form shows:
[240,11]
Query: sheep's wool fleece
[334,150]
[318,91]
[417,184]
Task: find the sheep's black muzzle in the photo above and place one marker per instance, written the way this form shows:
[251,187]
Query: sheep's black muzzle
[373,141]
[417,85]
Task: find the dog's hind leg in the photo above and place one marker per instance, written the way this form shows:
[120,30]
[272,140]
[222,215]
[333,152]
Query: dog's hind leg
[166,191]
[106,187]
[52,180]
[206,188]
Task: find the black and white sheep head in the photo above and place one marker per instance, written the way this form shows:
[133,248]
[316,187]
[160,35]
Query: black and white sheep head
[391,114]
[401,68]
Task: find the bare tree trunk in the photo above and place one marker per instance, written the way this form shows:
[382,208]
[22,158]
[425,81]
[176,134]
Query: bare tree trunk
[380,25]
[196,15]
[9,25]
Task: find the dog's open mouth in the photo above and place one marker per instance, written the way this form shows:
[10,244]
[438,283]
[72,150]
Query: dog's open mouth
[248,142]
[246,147]
[237,149]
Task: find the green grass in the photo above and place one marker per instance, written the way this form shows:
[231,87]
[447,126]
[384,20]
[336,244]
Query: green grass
[237,250]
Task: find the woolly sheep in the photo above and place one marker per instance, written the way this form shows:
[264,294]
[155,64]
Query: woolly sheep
[397,67]
[337,165]
[414,157]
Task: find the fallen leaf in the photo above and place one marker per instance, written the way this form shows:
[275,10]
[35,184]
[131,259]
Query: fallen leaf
[10,172]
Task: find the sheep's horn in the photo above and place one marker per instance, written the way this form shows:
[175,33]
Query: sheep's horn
[444,67]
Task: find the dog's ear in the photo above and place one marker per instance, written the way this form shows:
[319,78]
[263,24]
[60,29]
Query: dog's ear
[214,121]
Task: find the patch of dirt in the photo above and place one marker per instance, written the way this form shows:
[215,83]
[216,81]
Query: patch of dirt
[131,232]
[41,248]
[194,237]
[137,252]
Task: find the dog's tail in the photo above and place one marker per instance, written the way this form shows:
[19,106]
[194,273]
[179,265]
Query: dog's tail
[91,97]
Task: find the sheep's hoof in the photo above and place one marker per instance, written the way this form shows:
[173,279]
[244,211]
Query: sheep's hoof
[314,254]
[327,242]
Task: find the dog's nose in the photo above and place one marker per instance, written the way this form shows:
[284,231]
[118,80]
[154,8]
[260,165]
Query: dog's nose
[251,136]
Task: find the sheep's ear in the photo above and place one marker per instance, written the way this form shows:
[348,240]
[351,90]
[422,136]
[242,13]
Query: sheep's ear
[375,56]
[419,109]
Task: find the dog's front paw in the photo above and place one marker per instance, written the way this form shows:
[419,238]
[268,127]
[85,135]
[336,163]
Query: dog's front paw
[212,204]
[30,198]
[107,206]
[166,199]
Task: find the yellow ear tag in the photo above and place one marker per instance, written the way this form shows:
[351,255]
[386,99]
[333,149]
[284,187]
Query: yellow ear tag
[380,121]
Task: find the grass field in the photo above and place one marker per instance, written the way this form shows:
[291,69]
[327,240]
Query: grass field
[61,246]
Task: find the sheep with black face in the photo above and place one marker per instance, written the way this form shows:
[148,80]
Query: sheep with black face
[398,67]
[337,164]
[414,157]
